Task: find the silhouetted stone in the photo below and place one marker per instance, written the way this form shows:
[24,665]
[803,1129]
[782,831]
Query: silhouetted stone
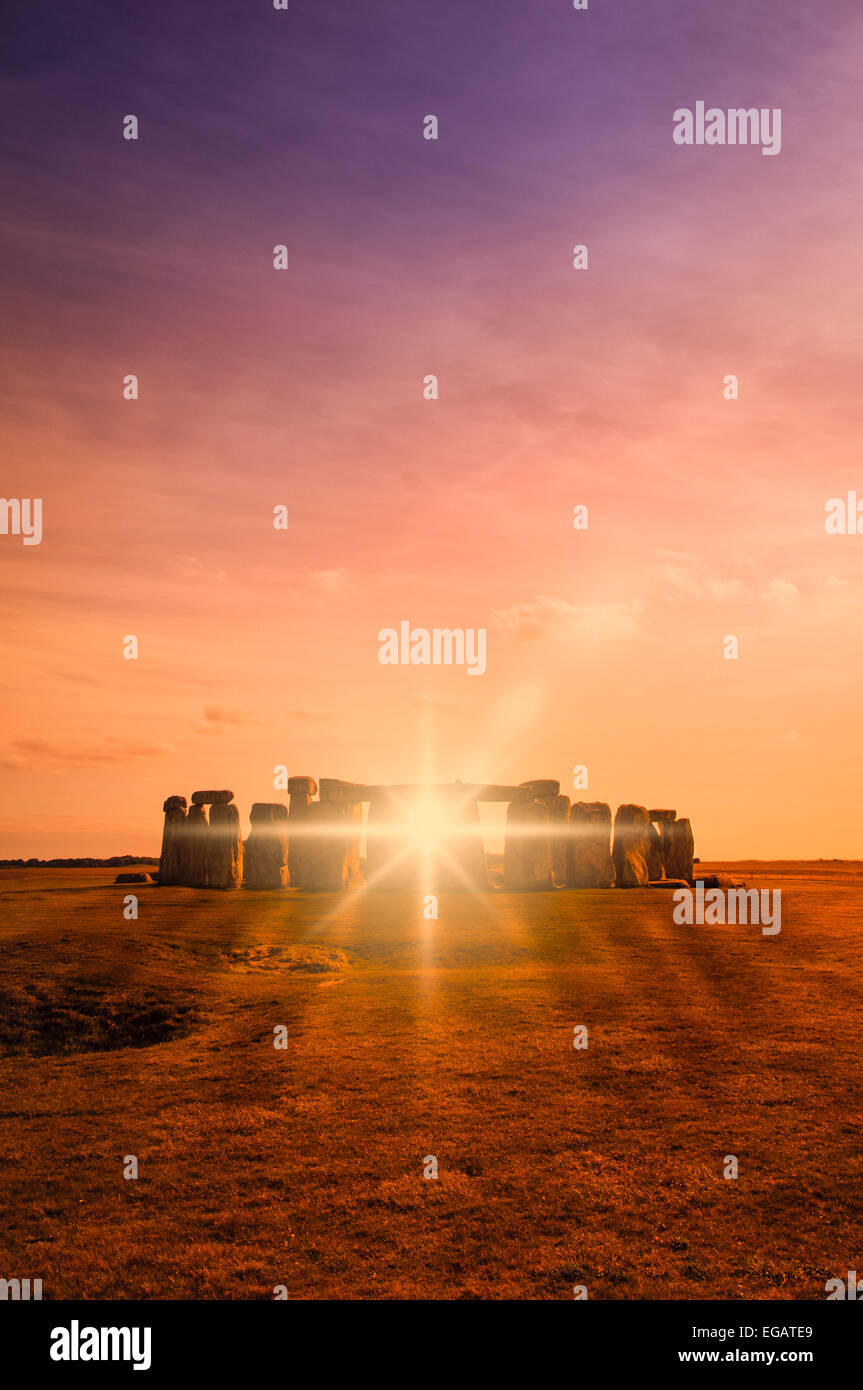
[172,859]
[717,881]
[265,857]
[630,848]
[677,849]
[460,865]
[527,848]
[301,790]
[224,847]
[589,863]
[558,816]
[134,878]
[542,788]
[212,798]
[332,846]
[392,860]
[302,786]
[662,815]
[197,831]
[344,793]
[174,803]
[654,853]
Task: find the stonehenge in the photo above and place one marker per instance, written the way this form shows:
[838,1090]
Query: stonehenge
[392,861]
[655,867]
[527,862]
[425,838]
[224,847]
[300,791]
[460,865]
[678,848]
[630,846]
[331,856]
[171,861]
[265,858]
[588,860]
[197,829]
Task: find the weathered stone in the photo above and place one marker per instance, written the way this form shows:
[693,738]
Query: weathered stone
[589,863]
[630,848]
[212,798]
[348,792]
[298,826]
[174,803]
[134,878]
[343,793]
[460,864]
[268,813]
[654,852]
[542,788]
[172,859]
[265,857]
[197,831]
[558,817]
[677,849]
[331,856]
[491,791]
[718,881]
[392,859]
[662,815]
[224,847]
[527,848]
[299,785]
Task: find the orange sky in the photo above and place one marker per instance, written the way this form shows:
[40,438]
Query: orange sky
[557,387]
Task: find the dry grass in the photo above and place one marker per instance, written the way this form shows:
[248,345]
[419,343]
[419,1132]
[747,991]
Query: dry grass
[261,1167]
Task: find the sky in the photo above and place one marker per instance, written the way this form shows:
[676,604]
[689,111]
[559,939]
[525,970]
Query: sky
[304,388]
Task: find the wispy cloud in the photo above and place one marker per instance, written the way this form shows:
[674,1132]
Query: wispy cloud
[214,715]
[41,755]
[684,576]
[549,617]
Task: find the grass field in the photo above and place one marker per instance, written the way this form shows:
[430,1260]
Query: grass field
[304,1168]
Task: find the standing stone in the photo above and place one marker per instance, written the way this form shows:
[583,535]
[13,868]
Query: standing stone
[630,848]
[678,848]
[212,798]
[392,860]
[332,846]
[301,790]
[558,816]
[589,863]
[460,864]
[224,847]
[654,853]
[527,848]
[265,858]
[173,856]
[542,788]
[197,831]
[348,793]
